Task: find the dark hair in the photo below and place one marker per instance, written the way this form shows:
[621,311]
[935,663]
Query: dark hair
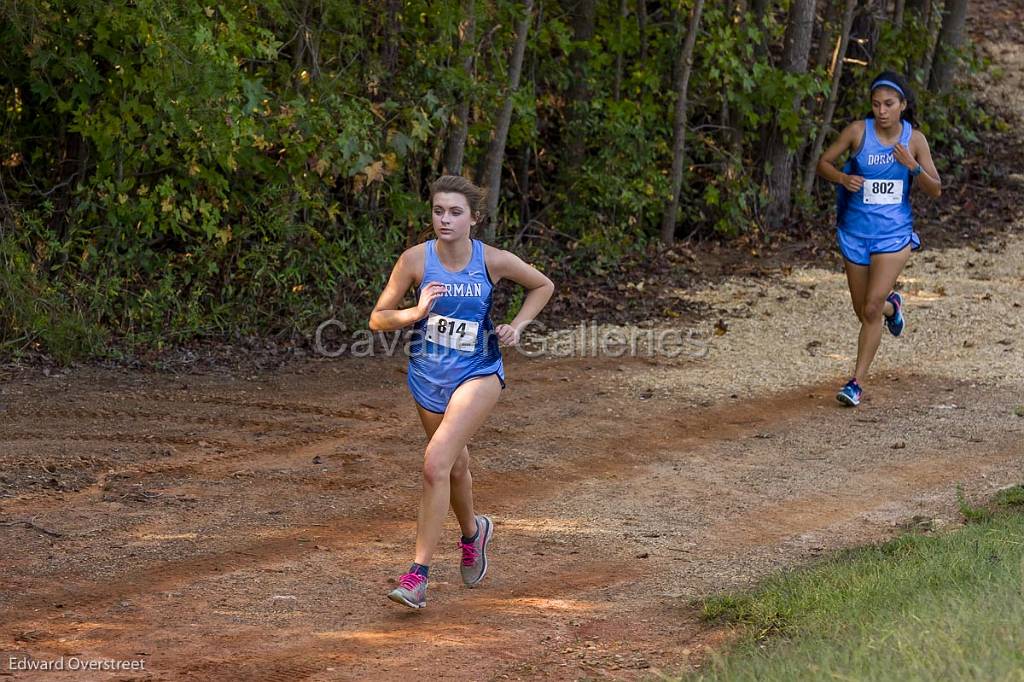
[456,184]
[909,114]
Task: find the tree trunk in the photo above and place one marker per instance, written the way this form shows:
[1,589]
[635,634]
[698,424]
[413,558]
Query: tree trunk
[619,51]
[527,158]
[954,16]
[758,8]
[584,22]
[922,8]
[831,24]
[925,10]
[897,13]
[306,44]
[641,23]
[794,60]
[496,153]
[683,68]
[390,32]
[299,39]
[827,42]
[467,45]
[735,117]
[833,97]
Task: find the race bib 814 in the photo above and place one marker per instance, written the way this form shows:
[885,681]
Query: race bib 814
[452,332]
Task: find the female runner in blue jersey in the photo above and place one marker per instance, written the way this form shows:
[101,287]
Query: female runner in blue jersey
[455,368]
[875,223]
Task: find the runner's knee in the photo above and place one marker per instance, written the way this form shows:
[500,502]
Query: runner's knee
[438,464]
[460,472]
[873,309]
[858,310]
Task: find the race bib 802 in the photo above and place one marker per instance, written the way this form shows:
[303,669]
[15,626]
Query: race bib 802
[883,191]
[452,332]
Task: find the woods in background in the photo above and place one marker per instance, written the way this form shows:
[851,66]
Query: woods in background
[173,170]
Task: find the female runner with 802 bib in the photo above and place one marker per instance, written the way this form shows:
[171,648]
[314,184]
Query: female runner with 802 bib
[874,220]
[455,367]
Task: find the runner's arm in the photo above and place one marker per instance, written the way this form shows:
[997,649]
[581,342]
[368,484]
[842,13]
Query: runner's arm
[505,265]
[847,140]
[386,315]
[928,179]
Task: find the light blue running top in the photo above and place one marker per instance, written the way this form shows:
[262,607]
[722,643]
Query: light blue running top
[456,341]
[882,207]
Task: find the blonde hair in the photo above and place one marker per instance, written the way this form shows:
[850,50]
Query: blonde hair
[456,184]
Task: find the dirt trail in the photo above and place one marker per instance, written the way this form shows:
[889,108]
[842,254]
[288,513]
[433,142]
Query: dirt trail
[228,535]
[245,527]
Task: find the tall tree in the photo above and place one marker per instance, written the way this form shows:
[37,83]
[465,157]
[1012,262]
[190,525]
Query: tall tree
[309,24]
[833,96]
[620,50]
[831,23]
[758,8]
[898,12]
[457,143]
[826,41]
[735,113]
[951,36]
[391,42]
[794,60]
[924,11]
[641,23]
[496,152]
[684,66]
[584,23]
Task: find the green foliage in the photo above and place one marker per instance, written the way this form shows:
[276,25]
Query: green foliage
[36,314]
[177,170]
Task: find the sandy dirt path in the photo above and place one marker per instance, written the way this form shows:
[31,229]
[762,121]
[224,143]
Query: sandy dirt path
[222,526]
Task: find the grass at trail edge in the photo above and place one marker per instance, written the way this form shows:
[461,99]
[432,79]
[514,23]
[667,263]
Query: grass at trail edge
[916,608]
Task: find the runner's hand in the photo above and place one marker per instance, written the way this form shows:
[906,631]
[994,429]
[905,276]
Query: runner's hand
[507,335]
[853,183]
[430,293]
[904,156]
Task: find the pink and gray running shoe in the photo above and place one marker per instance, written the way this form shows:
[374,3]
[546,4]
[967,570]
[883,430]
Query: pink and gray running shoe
[474,554]
[411,591]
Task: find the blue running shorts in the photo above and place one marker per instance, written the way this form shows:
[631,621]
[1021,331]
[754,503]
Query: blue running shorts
[858,250]
[434,397]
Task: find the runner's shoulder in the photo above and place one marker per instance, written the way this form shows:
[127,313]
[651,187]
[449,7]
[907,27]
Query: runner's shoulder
[414,255]
[500,263]
[412,262]
[855,131]
[495,257]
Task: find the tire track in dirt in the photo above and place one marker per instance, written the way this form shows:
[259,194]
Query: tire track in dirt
[724,422]
[366,413]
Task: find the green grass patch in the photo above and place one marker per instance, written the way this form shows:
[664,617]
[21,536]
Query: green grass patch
[948,607]
[1010,497]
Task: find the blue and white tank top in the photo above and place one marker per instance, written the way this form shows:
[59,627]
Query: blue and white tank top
[456,341]
[882,206]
